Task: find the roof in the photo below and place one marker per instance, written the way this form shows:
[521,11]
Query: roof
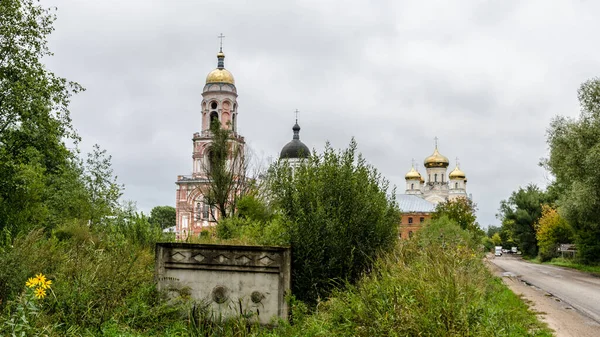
[413,204]
[294,149]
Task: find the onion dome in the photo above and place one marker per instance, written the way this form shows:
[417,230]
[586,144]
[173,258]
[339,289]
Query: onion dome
[457,174]
[436,160]
[220,75]
[413,175]
[295,149]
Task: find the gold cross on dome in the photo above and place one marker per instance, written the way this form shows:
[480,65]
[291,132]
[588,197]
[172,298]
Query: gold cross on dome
[436,141]
[221,37]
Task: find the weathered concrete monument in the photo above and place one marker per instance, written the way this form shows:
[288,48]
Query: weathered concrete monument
[230,280]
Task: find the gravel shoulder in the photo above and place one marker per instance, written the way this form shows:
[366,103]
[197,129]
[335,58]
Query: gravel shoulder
[560,316]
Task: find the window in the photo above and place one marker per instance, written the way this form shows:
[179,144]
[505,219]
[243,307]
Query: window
[214,116]
[435,177]
[184,222]
[421,219]
[233,122]
[455,185]
[412,186]
[410,220]
[410,233]
[213,105]
[205,211]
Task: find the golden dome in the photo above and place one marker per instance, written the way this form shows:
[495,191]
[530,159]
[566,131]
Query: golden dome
[457,174]
[220,76]
[436,160]
[413,174]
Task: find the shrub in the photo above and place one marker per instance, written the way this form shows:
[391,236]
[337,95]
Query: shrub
[337,216]
[433,285]
[551,231]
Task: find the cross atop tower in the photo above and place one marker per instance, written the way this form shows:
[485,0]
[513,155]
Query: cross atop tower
[221,37]
[413,162]
[296,112]
[436,141]
[457,163]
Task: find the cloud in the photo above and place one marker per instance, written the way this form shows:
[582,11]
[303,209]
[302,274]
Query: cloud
[486,78]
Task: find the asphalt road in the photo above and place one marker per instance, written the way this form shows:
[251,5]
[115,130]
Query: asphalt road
[580,290]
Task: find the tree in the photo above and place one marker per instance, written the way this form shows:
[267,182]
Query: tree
[226,171]
[338,216]
[35,164]
[493,230]
[460,210]
[104,191]
[496,239]
[163,216]
[574,156]
[519,215]
[551,230]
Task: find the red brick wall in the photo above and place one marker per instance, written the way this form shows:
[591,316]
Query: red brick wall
[406,227]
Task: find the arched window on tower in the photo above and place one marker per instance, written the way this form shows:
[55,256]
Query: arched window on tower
[233,123]
[213,105]
[435,175]
[214,116]
[455,185]
[412,186]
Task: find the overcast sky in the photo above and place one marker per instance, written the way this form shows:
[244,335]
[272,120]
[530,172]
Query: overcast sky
[486,78]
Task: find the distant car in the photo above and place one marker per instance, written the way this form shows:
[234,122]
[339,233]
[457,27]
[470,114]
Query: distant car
[498,251]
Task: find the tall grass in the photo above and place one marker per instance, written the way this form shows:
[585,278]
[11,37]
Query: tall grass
[433,285]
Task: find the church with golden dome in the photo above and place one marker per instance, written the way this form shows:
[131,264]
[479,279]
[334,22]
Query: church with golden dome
[423,193]
[437,186]
[219,103]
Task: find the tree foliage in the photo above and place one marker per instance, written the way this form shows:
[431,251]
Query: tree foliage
[104,191]
[519,215]
[338,217]
[163,216]
[37,171]
[574,157]
[551,231]
[226,171]
[460,210]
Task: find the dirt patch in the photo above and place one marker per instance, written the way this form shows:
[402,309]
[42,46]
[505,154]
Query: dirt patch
[560,316]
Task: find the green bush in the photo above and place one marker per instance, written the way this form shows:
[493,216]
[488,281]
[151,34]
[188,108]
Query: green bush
[434,285]
[100,276]
[338,218]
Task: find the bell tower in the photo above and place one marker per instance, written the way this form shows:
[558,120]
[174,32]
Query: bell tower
[219,104]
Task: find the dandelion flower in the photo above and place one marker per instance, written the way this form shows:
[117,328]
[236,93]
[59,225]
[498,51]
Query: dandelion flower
[31,282]
[40,293]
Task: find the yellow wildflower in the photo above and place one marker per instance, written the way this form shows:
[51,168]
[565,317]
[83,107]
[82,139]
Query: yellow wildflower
[31,282]
[40,292]
[41,278]
[46,284]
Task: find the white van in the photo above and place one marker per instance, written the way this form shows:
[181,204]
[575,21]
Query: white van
[498,251]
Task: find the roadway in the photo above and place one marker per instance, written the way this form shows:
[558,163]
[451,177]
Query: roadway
[577,289]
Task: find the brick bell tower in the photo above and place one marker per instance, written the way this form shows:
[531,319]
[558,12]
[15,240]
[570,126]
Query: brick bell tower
[219,102]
